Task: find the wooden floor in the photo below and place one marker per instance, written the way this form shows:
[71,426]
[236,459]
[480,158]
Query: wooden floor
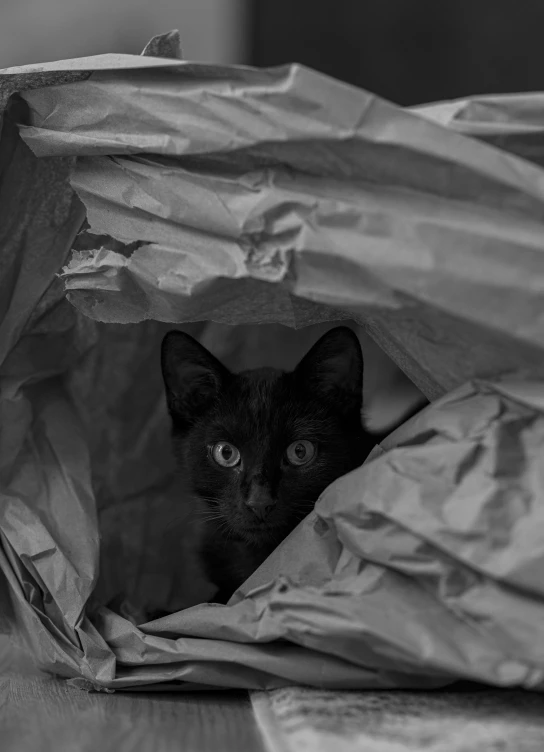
[42,714]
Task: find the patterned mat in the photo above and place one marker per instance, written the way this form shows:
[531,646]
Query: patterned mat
[297,719]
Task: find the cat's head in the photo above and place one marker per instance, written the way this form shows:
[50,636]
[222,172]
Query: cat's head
[259,447]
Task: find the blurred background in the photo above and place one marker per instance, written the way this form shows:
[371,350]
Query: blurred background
[409,51]
[34,31]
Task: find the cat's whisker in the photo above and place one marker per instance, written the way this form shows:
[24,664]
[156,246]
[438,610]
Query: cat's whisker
[212,501]
[301,507]
[211,516]
[225,528]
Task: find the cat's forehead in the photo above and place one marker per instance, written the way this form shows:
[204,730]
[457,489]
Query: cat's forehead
[260,390]
[258,400]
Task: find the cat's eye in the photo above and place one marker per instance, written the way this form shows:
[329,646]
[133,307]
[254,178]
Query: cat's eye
[300,452]
[225,454]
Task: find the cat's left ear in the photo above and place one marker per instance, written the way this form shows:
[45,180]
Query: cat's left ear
[333,369]
[193,377]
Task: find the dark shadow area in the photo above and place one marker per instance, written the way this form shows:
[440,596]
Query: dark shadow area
[408,52]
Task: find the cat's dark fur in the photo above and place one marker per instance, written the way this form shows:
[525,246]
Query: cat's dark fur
[255,504]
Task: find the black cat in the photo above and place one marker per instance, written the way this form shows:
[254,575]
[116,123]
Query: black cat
[259,447]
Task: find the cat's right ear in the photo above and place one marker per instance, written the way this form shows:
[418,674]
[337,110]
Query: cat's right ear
[193,377]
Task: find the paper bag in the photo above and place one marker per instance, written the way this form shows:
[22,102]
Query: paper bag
[240,196]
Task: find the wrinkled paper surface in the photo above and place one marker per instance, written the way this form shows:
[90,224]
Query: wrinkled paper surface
[240,196]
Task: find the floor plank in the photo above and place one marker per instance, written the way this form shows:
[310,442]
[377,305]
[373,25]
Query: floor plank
[41,714]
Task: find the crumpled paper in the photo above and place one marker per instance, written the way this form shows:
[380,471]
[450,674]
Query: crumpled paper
[511,122]
[240,196]
[262,186]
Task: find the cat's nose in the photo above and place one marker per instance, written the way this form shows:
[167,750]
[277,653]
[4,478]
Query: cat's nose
[260,505]
[261,509]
